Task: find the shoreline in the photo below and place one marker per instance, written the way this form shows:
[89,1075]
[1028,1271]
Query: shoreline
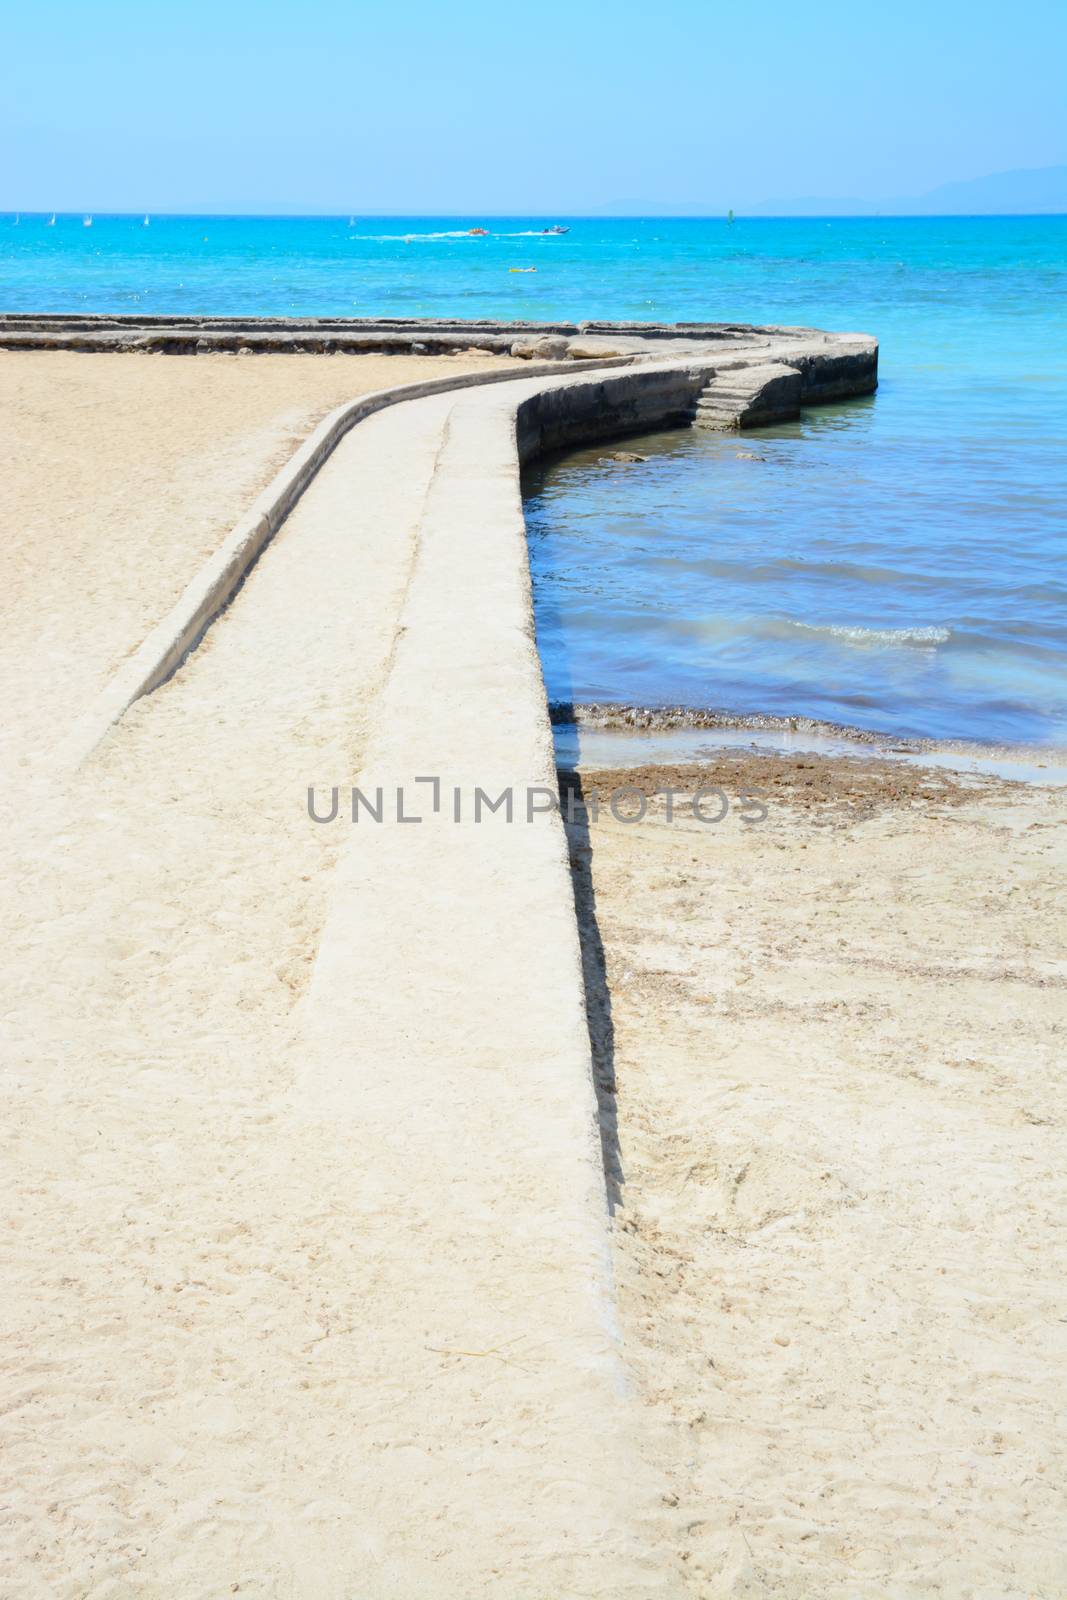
[618,735]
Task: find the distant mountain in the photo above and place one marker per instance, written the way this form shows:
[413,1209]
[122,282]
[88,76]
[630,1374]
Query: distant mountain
[1025,190]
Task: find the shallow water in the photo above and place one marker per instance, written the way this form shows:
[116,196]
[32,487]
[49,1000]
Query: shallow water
[594,749]
[894,563]
[814,569]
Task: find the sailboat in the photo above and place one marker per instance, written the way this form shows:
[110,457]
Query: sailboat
[351,222]
[144,224]
[16,223]
[87,222]
[730,216]
[51,221]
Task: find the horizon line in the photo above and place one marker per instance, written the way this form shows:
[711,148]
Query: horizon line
[571,216]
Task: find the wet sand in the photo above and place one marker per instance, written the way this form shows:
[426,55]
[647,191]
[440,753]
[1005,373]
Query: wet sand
[829,1048]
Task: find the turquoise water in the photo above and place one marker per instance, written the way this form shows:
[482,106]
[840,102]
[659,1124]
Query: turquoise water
[894,564]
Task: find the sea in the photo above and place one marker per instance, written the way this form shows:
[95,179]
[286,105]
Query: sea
[893,564]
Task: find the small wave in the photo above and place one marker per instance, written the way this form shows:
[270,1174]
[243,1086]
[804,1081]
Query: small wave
[877,636]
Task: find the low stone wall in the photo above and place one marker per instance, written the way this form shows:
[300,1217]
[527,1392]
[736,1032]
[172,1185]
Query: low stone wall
[600,407]
[848,367]
[642,397]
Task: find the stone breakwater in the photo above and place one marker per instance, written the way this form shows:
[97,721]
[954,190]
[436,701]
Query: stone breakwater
[553,341]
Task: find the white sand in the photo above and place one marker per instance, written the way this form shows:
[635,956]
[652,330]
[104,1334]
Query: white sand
[122,473]
[841,1242]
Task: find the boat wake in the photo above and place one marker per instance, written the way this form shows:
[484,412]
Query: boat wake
[457,233]
[410,238]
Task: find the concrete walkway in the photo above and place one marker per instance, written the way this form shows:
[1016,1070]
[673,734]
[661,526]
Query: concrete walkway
[446,1033]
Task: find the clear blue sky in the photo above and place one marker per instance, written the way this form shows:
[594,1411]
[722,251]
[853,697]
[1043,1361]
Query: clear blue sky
[555,107]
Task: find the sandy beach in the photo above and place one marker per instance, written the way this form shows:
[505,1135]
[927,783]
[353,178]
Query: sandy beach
[830,1048]
[827,1044]
[122,474]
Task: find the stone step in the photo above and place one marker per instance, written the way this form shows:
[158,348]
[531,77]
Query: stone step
[719,421]
[751,398]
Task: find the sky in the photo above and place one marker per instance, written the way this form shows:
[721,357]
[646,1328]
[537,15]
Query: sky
[552,107]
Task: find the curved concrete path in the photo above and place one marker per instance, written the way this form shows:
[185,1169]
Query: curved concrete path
[445,1029]
[353,1331]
